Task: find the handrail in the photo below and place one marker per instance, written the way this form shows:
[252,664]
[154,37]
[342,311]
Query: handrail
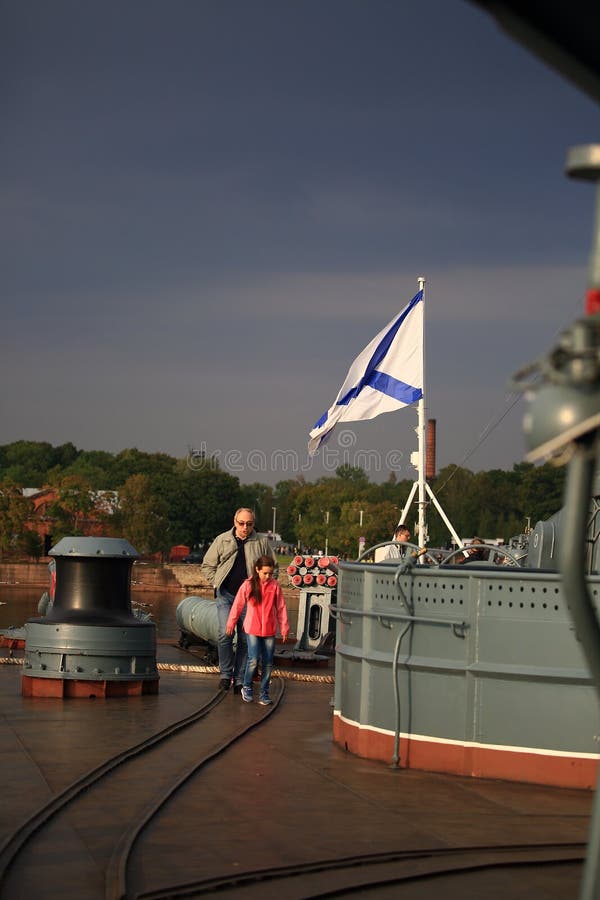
[501,551]
[416,551]
[425,620]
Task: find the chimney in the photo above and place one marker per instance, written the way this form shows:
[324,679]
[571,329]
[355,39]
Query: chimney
[430,455]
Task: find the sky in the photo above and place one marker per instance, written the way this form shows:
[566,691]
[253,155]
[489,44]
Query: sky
[209,207]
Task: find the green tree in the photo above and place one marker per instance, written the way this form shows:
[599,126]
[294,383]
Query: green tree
[142,516]
[200,503]
[352,473]
[452,488]
[65,455]
[136,462]
[95,467]
[15,509]
[258,497]
[72,507]
[30,544]
[201,499]
[361,518]
[541,492]
[29,462]
[320,509]
[287,494]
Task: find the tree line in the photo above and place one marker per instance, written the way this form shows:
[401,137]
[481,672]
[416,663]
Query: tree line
[164,501]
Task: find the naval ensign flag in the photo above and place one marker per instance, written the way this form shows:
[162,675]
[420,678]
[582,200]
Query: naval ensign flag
[387,375]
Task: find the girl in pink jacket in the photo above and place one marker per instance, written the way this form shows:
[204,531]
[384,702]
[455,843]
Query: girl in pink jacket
[265,611]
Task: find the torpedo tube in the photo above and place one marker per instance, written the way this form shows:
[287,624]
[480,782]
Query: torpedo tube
[198,616]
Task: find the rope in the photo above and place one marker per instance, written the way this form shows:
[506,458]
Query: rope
[279,673]
[178,667]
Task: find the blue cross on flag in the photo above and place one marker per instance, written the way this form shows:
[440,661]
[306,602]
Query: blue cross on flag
[387,375]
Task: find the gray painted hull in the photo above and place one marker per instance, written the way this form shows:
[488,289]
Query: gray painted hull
[468,669]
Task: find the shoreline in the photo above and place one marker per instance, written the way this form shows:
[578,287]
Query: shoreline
[172,578]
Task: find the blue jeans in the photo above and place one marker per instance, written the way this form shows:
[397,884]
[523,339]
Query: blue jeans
[232,662]
[261,648]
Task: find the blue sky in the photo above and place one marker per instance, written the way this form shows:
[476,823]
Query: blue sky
[209,208]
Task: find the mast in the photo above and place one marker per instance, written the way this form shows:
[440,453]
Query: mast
[422,440]
[418,459]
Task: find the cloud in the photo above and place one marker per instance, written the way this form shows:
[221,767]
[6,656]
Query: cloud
[209,209]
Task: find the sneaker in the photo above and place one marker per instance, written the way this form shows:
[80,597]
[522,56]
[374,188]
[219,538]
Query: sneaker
[224,684]
[265,701]
[247,695]
[237,689]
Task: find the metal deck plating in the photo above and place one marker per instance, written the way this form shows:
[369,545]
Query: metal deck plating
[283,812]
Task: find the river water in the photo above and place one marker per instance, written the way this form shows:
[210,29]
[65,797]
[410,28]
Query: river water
[18,604]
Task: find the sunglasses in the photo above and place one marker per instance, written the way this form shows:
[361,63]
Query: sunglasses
[244,524]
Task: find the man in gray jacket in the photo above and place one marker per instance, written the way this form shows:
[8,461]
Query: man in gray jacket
[227,563]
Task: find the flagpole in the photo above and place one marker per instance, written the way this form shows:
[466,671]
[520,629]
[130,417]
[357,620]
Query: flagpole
[420,485]
[421,439]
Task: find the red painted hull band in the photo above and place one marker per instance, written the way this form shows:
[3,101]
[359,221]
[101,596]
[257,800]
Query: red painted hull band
[470,760]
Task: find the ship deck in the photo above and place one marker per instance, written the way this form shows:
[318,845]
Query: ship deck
[277,812]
